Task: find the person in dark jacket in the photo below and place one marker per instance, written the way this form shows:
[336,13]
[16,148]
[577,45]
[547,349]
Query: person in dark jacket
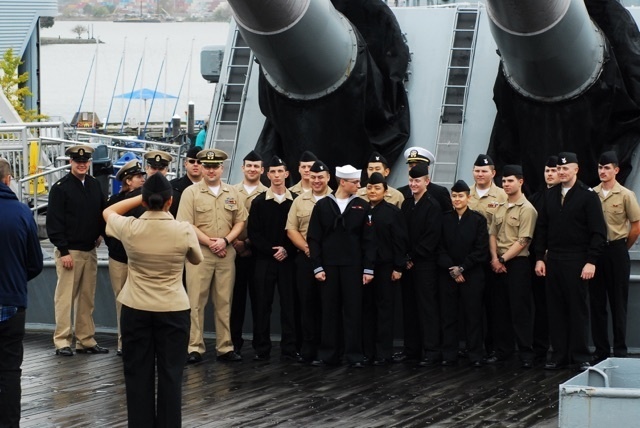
[75,227]
[391,236]
[21,260]
[342,247]
[132,178]
[274,264]
[538,283]
[464,248]
[193,174]
[423,216]
[571,234]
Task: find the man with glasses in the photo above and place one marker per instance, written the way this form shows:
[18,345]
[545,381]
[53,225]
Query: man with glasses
[193,168]
[343,250]
[215,210]
[74,227]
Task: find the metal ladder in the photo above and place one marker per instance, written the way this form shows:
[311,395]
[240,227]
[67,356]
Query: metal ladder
[231,100]
[454,99]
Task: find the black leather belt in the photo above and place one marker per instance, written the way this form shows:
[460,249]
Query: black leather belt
[616,242]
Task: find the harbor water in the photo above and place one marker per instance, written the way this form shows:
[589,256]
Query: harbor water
[70,70]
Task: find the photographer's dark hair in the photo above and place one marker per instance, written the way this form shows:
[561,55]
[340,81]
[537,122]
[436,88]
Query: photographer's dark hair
[156,191]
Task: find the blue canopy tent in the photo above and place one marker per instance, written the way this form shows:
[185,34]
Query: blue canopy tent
[145,94]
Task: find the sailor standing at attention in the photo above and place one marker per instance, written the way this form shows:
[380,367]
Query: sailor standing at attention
[423,217]
[571,232]
[510,234]
[622,215]
[248,189]
[75,226]
[217,215]
[274,264]
[485,197]
[343,250]
[309,292]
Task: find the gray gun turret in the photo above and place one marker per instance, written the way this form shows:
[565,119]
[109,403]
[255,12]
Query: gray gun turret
[323,87]
[562,84]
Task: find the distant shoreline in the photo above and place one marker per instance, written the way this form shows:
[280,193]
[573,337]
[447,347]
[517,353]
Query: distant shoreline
[68,41]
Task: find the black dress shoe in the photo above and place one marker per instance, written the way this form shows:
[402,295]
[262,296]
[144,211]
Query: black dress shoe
[401,357]
[552,365]
[96,349]
[318,363]
[119,352]
[599,358]
[583,366]
[65,352]
[263,357]
[526,364]
[194,357]
[381,362]
[428,362]
[449,363]
[296,357]
[476,364]
[230,357]
[357,365]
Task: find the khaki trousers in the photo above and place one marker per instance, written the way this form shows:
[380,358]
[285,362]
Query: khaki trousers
[118,273]
[75,293]
[214,275]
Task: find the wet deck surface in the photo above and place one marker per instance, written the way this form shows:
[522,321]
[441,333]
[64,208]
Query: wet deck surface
[88,390]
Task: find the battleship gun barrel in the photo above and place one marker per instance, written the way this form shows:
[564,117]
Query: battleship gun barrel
[306,48]
[550,49]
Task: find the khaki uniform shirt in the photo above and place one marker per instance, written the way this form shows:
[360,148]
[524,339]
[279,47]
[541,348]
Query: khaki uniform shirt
[156,245]
[246,199]
[214,215]
[620,207]
[297,188]
[511,223]
[487,204]
[300,212]
[393,196]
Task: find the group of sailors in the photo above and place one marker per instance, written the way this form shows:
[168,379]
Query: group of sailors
[484,272]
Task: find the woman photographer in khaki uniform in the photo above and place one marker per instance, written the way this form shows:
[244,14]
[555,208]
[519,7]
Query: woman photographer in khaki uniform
[155,307]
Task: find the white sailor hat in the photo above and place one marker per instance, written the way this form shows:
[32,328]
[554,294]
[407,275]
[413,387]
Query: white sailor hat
[348,172]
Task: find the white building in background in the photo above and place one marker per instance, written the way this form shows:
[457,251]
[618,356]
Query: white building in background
[20,31]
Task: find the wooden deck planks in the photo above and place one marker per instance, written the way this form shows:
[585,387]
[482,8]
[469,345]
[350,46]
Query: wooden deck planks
[89,390]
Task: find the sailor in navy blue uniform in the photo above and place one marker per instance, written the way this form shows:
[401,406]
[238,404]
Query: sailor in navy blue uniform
[391,259]
[571,234]
[274,264]
[343,249]
[423,216]
[464,249]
